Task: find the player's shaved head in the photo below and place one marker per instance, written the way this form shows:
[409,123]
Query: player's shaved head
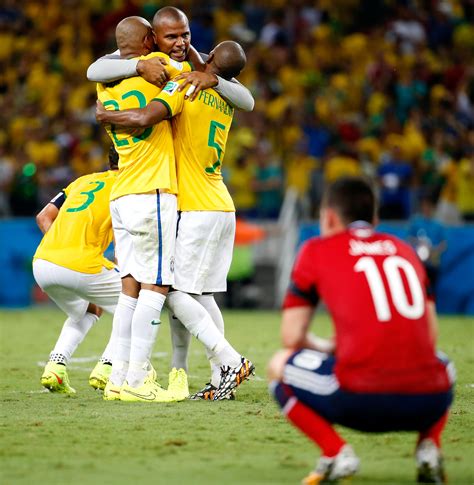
[133,36]
[228,59]
[169,14]
[352,198]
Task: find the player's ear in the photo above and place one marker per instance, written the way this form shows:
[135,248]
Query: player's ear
[149,41]
[210,58]
[333,220]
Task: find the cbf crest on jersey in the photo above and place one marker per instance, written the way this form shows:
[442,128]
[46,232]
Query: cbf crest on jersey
[170,88]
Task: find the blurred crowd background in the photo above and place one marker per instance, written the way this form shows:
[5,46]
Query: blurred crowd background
[383,88]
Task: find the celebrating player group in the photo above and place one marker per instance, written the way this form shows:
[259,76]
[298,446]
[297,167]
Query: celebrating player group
[168,111]
[168,229]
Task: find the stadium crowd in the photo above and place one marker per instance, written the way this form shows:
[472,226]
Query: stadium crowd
[345,87]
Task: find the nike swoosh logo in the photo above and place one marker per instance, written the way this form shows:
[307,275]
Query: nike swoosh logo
[57,377]
[151,396]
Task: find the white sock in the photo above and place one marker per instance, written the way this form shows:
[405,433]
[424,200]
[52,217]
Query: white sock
[225,354]
[196,319]
[180,340]
[145,324]
[215,370]
[209,303]
[122,325]
[109,351]
[72,334]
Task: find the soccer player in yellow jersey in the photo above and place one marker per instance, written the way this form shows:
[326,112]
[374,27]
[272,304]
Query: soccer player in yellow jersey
[144,213]
[69,265]
[207,214]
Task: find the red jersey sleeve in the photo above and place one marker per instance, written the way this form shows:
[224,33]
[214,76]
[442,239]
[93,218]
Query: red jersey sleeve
[302,289]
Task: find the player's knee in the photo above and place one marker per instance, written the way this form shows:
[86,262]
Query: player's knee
[277,364]
[94,309]
[130,286]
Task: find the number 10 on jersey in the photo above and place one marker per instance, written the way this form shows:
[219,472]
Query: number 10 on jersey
[392,268]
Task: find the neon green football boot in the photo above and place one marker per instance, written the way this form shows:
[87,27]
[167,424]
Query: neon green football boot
[149,391]
[100,375]
[111,392]
[178,384]
[55,379]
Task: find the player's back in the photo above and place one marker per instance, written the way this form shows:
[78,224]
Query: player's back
[147,160]
[200,131]
[82,231]
[375,289]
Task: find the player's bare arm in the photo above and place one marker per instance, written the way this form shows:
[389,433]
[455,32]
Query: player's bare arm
[50,211]
[294,331]
[46,217]
[150,115]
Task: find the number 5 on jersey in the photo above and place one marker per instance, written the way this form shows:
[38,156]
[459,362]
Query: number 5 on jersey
[211,141]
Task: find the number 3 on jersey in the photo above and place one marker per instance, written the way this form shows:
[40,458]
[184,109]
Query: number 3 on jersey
[90,197]
[392,268]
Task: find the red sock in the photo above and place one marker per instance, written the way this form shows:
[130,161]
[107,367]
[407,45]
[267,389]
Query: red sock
[315,428]
[435,431]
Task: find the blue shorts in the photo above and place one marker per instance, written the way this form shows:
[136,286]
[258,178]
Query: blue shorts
[309,377]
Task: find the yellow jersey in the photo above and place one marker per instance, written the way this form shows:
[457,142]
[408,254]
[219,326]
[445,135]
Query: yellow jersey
[200,130]
[82,231]
[146,157]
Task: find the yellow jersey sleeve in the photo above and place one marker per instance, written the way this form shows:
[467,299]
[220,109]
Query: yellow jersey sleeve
[172,98]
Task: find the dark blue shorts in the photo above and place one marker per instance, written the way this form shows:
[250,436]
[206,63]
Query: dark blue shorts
[309,377]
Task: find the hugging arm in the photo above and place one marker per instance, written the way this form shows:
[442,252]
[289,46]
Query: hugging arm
[111,67]
[150,115]
[235,93]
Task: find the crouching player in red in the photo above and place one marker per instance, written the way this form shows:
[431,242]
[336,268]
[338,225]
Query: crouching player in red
[381,372]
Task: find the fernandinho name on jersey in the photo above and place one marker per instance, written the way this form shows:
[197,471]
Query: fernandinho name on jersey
[216,102]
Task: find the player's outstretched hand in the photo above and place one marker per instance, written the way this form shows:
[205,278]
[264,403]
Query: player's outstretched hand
[153,70]
[196,81]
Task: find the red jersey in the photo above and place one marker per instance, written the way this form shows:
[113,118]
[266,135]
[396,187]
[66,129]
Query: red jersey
[375,289]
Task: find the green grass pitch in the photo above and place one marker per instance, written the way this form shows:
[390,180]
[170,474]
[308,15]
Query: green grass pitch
[53,439]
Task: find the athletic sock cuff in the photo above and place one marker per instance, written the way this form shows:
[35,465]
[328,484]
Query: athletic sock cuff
[93,316]
[127,301]
[152,299]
